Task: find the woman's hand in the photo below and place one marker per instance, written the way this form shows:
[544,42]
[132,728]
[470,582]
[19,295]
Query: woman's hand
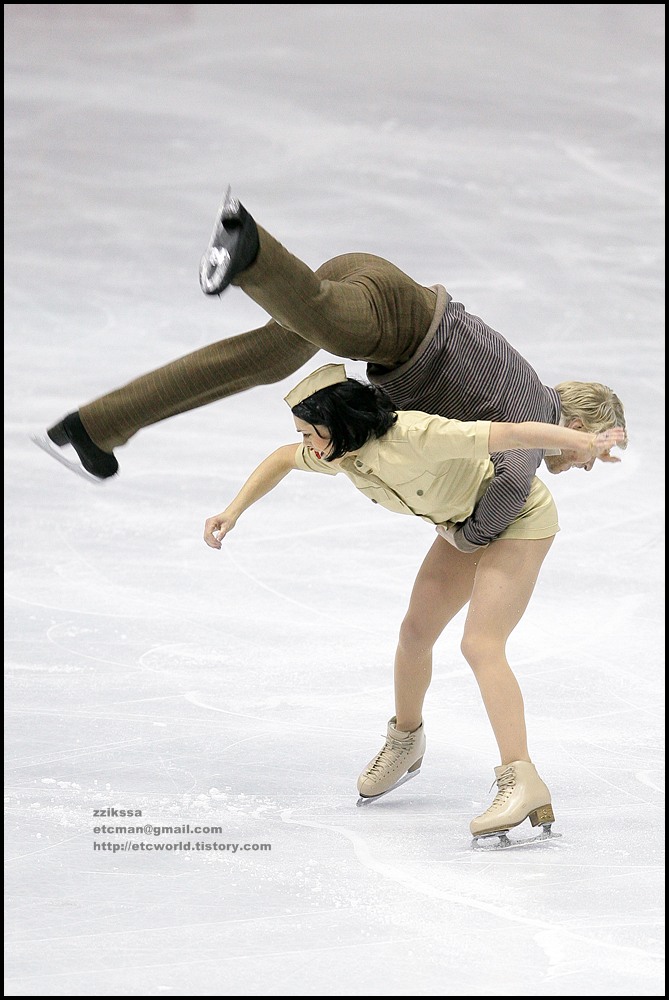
[599,445]
[269,474]
[217,527]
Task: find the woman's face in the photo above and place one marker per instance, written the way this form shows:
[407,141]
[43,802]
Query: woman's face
[315,438]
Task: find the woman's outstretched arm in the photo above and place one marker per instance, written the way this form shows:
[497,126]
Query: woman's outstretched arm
[269,474]
[531,434]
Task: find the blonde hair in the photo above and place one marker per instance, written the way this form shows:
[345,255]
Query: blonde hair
[594,404]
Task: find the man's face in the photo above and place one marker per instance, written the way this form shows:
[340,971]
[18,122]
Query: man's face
[564,461]
[567,459]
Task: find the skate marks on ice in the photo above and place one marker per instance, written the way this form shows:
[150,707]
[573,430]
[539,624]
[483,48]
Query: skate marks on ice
[451,878]
[46,444]
[370,860]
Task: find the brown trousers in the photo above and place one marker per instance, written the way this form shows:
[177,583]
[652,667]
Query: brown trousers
[356,306]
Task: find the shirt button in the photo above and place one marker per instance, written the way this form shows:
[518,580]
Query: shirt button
[359,465]
[375,501]
[420,493]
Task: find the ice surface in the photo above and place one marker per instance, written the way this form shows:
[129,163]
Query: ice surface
[513,153]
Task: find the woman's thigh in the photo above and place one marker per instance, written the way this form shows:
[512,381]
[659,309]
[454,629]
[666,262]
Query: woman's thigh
[505,578]
[442,587]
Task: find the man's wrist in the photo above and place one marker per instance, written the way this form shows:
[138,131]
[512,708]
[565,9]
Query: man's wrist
[462,544]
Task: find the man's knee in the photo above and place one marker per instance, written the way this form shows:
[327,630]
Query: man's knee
[344,266]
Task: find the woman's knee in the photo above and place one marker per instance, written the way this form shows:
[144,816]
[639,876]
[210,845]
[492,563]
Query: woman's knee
[415,634]
[479,648]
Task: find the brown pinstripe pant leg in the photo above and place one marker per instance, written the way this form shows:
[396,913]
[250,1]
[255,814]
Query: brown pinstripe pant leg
[357,306]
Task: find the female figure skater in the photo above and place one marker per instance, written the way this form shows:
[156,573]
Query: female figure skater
[438,469]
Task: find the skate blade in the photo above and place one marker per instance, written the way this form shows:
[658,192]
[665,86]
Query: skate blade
[227,210]
[502,842]
[44,442]
[365,800]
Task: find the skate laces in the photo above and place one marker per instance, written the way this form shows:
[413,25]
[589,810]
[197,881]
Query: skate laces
[392,746]
[505,784]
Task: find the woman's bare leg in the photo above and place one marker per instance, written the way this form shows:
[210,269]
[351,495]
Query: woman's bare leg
[505,579]
[442,587]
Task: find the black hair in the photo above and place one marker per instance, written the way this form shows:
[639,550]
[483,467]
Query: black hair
[352,411]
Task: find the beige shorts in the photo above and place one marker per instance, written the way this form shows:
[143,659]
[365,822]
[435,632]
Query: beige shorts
[539,516]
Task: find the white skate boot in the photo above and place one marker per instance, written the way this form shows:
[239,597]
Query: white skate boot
[398,760]
[521,795]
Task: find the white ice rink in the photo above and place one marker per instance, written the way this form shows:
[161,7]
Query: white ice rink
[513,153]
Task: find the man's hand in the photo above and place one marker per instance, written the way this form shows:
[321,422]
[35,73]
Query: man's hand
[455,538]
[216,528]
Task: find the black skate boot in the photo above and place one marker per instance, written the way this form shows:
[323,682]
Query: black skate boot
[232,248]
[70,430]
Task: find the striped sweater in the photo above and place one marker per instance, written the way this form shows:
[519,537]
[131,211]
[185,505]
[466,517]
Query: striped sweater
[468,371]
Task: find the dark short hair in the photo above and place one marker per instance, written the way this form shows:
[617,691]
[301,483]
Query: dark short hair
[352,411]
